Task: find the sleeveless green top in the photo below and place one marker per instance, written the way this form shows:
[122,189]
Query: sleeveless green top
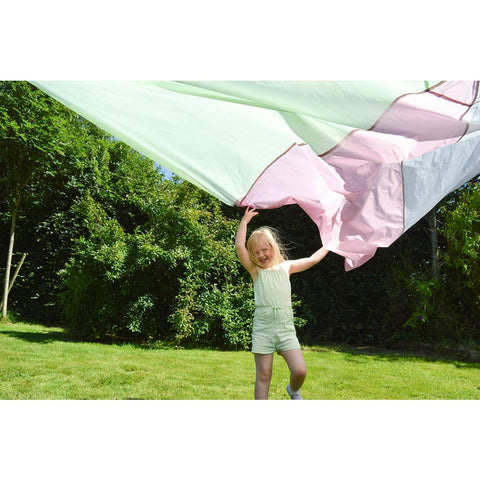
[272,288]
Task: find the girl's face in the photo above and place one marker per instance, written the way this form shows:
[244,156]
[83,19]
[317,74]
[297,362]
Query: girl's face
[263,253]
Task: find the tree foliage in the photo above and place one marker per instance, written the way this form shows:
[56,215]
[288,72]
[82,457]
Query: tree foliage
[49,157]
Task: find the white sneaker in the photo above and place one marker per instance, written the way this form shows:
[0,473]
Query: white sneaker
[294,395]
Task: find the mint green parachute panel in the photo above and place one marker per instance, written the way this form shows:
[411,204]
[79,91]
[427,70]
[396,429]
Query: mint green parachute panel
[365,160]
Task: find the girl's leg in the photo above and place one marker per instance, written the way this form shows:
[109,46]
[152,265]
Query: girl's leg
[297,366]
[263,364]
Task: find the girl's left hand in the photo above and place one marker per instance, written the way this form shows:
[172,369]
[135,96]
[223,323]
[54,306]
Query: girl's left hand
[249,214]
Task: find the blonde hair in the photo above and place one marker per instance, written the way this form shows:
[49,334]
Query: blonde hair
[271,236]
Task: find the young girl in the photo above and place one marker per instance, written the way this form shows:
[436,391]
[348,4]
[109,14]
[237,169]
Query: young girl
[273,327]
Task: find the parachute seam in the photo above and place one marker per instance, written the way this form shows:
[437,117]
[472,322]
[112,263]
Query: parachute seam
[267,167]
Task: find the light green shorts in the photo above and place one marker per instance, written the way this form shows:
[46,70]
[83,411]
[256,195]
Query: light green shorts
[273,329]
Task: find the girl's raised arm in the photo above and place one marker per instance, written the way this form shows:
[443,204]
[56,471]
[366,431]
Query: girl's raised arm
[241,238]
[305,263]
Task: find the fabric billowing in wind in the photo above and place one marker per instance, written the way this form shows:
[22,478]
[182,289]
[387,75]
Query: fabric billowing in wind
[365,160]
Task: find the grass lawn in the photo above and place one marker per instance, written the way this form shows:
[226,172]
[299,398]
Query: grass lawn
[38,362]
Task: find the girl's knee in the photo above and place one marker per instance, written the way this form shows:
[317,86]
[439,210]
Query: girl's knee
[296,363]
[300,372]
[264,374]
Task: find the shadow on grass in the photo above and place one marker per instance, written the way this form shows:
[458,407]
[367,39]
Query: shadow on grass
[40,337]
[66,337]
[461,358]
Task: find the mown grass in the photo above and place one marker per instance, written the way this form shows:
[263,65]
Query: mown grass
[38,362]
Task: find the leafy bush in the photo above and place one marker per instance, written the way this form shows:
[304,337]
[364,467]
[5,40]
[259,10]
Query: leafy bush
[446,310]
[174,277]
[461,268]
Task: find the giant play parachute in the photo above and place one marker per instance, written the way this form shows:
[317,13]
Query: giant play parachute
[365,160]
